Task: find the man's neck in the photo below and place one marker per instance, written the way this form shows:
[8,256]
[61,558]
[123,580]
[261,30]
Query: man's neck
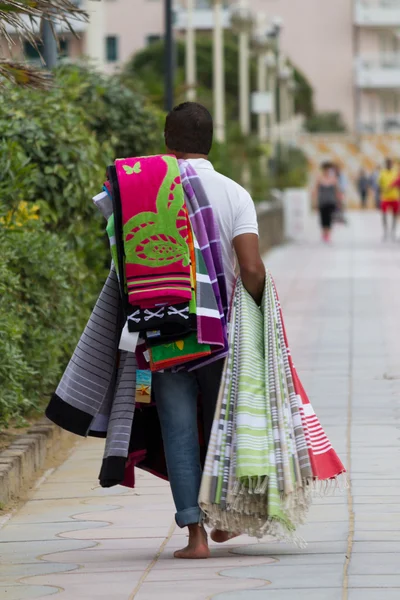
[188,156]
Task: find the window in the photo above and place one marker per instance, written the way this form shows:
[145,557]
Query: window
[151,39]
[112,48]
[63,48]
[33,53]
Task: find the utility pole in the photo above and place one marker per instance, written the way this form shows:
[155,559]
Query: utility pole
[190,53]
[49,44]
[244,69]
[275,34]
[169,56]
[218,73]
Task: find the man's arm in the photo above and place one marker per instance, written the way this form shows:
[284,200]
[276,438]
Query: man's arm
[252,269]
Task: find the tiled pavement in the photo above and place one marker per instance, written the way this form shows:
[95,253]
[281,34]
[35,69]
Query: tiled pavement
[342,310]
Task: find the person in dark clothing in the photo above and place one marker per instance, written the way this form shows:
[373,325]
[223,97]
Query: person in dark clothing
[363,184]
[327,197]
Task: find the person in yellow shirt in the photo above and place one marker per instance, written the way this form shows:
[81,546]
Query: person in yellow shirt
[390,195]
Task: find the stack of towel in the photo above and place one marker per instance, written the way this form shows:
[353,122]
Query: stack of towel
[165,245]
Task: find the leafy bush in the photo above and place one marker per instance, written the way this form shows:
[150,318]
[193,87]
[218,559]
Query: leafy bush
[43,307]
[114,112]
[54,148]
[49,130]
[326,122]
[292,170]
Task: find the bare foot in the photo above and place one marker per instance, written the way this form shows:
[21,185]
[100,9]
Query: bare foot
[220,537]
[197,546]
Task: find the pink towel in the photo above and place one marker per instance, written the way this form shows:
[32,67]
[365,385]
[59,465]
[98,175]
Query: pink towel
[155,231]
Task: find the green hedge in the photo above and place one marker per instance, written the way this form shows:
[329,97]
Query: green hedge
[54,148]
[43,307]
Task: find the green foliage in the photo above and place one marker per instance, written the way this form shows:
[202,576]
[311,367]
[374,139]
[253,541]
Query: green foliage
[145,72]
[49,130]
[16,167]
[304,95]
[326,122]
[115,113]
[292,169]
[44,302]
[54,148]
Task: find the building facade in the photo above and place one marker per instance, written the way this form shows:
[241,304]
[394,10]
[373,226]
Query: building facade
[348,49]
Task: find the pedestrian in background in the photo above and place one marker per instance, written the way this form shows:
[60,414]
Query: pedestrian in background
[342,183]
[374,185]
[327,196]
[389,195]
[363,183]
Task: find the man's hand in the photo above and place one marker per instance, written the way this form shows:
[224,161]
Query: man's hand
[252,269]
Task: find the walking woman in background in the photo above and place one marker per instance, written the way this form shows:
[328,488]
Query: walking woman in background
[327,197]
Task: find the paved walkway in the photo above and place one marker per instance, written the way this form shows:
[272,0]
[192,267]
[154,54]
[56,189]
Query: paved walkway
[342,308]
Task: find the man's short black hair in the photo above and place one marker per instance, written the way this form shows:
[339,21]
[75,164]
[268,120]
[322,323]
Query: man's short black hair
[189,129]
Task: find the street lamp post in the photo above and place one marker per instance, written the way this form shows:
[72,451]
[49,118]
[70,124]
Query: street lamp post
[218,73]
[242,22]
[190,52]
[261,45]
[49,44]
[271,86]
[169,56]
[291,93]
[284,76]
[274,35]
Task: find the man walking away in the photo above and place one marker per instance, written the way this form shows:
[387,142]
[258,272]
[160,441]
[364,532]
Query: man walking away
[389,196]
[188,135]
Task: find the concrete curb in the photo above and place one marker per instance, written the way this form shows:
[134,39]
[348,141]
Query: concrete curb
[22,461]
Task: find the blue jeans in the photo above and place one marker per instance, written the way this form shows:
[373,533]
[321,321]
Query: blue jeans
[176,396]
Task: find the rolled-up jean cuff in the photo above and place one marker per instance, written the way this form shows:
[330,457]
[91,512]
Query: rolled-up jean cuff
[189,516]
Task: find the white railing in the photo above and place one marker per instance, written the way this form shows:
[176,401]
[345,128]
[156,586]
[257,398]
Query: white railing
[203,17]
[380,124]
[77,24]
[378,71]
[377,13]
[383,60]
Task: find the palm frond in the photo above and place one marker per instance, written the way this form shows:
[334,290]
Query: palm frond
[24,75]
[22,18]
[19,16]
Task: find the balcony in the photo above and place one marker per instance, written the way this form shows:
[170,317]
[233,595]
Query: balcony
[377,13]
[378,72]
[203,17]
[381,124]
[78,26]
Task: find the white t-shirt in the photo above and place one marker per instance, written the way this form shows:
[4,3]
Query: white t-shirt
[233,208]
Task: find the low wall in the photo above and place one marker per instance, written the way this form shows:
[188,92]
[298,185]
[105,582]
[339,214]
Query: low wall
[25,458]
[271,224]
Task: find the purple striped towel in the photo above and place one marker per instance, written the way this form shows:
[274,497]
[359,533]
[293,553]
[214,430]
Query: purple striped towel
[206,231]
